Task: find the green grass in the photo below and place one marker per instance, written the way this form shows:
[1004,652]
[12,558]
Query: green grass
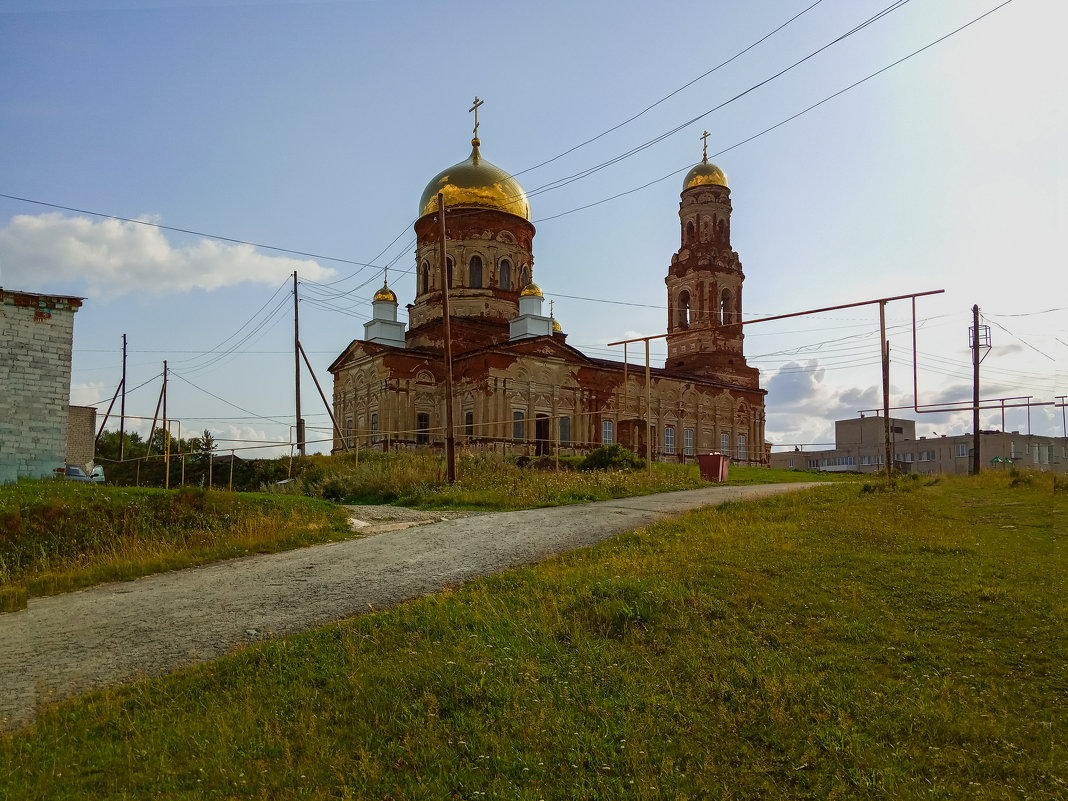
[487,482]
[57,536]
[827,644]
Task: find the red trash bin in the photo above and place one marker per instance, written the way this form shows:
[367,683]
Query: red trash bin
[713,466]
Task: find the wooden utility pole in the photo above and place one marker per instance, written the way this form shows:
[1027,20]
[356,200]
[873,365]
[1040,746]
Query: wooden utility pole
[122,404]
[450,440]
[329,411]
[976,463]
[155,415]
[885,345]
[296,365]
[166,433]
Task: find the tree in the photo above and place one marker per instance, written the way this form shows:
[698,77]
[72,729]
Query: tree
[204,445]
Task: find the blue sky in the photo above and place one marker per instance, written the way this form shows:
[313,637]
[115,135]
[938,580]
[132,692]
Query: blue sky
[315,127]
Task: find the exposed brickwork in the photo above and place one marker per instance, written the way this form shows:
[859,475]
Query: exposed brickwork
[81,435]
[36,336]
[537,394]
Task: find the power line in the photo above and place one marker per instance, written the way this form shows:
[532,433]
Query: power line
[670,95]
[782,122]
[561,182]
[185,231]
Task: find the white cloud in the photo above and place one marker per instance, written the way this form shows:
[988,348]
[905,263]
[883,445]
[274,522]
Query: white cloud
[89,393]
[117,257]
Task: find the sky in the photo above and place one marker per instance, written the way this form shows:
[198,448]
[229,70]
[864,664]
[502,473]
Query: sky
[298,136]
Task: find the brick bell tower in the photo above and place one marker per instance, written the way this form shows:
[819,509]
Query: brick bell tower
[704,283]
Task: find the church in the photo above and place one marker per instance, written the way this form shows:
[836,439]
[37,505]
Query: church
[518,387]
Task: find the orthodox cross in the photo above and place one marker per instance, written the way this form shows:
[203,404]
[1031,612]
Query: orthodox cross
[385,275]
[704,136]
[474,108]
[551,308]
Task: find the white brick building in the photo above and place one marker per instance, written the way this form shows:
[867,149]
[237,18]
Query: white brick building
[36,337]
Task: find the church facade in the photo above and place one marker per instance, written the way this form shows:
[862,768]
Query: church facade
[518,387]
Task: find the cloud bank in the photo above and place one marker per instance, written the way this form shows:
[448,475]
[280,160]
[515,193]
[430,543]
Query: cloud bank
[115,257]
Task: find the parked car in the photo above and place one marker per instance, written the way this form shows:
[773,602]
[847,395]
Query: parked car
[73,472]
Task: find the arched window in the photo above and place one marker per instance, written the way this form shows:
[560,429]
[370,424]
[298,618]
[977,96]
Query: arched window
[448,272]
[474,272]
[683,319]
[689,232]
[506,274]
[524,276]
[743,456]
[424,279]
[726,313]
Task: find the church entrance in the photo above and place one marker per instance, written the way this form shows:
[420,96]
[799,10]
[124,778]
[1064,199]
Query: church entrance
[541,434]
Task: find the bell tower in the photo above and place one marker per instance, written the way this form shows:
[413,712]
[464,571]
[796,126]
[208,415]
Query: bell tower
[704,283]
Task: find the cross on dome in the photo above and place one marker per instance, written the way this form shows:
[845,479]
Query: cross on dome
[474,108]
[704,153]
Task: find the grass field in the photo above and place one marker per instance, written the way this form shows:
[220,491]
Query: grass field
[838,643]
[57,536]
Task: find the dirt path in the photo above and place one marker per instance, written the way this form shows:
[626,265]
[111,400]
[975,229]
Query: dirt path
[68,644]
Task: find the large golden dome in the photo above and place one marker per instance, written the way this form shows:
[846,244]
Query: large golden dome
[475,183]
[704,174]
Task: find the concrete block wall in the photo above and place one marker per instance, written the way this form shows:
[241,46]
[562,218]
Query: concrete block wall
[36,338]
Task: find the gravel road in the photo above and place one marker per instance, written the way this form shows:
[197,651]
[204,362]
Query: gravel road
[65,645]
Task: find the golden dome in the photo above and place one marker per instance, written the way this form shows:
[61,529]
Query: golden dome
[476,183]
[385,293]
[531,290]
[557,328]
[704,174]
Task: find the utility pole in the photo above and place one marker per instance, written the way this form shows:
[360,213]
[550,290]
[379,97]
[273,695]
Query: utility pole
[166,433]
[450,441]
[975,390]
[122,405]
[296,365]
[648,413]
[885,347]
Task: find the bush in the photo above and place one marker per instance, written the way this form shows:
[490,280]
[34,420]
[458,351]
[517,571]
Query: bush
[612,457]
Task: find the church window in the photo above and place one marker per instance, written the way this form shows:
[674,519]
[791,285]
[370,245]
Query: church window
[687,442]
[684,309]
[742,455]
[725,443]
[469,424]
[726,314]
[422,429]
[424,279]
[607,437]
[348,427]
[448,273]
[669,440]
[374,427]
[506,275]
[474,272]
[689,232]
[565,430]
[524,276]
[517,425]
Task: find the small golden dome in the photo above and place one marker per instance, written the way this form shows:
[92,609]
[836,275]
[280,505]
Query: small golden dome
[557,328]
[704,174]
[385,293]
[476,183]
[531,290]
